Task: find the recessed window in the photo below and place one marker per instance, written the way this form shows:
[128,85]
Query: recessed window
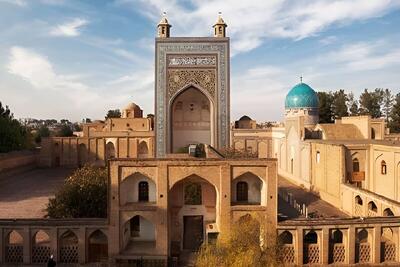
[383,167]
[144,191]
[356,165]
[193,194]
[242,191]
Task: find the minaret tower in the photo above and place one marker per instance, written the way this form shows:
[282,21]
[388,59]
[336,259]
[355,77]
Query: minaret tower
[163,27]
[220,27]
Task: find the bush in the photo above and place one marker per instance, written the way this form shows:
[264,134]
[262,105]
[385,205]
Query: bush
[83,195]
[241,248]
[231,153]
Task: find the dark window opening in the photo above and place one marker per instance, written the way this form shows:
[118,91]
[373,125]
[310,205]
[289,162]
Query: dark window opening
[242,190]
[143,191]
[193,194]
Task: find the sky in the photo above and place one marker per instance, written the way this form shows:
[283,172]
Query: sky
[68,59]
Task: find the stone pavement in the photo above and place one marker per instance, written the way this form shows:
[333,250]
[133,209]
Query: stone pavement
[316,206]
[26,194]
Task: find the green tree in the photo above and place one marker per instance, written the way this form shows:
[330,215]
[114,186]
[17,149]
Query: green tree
[388,100]
[370,103]
[43,131]
[113,113]
[325,107]
[83,195]
[13,136]
[65,131]
[352,105]
[339,104]
[394,122]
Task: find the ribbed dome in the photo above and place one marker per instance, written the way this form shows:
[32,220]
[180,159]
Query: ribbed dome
[301,96]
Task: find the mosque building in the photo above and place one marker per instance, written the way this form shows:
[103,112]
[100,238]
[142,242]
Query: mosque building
[162,201]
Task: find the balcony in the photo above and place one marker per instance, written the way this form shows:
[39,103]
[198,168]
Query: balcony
[356,177]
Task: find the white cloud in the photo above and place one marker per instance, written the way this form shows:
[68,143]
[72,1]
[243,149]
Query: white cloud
[69,29]
[328,40]
[251,22]
[20,3]
[365,56]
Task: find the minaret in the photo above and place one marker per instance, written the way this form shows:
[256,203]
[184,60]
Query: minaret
[220,27]
[163,27]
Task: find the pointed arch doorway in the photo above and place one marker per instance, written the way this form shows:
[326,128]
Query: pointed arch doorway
[191,119]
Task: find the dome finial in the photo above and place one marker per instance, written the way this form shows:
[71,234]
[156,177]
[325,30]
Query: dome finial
[301,78]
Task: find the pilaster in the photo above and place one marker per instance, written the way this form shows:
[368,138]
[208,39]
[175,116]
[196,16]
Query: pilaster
[162,209]
[81,245]
[299,246]
[351,245]
[1,245]
[376,244]
[26,245]
[325,246]
[225,199]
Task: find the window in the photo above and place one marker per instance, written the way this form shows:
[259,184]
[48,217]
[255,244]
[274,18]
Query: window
[193,194]
[337,236]
[220,29]
[358,200]
[356,165]
[291,165]
[372,206]
[383,167]
[162,30]
[135,226]
[242,191]
[143,191]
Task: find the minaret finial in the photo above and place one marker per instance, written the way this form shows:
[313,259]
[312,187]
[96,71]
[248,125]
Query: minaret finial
[301,79]
[219,26]
[163,26]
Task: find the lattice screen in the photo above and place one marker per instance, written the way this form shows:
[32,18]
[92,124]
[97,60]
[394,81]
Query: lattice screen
[14,254]
[372,213]
[338,253]
[358,210]
[40,254]
[69,254]
[312,253]
[389,252]
[287,254]
[364,254]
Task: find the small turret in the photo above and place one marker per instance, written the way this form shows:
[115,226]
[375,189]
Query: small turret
[220,27]
[163,27]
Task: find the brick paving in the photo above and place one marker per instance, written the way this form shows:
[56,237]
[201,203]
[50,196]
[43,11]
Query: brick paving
[26,194]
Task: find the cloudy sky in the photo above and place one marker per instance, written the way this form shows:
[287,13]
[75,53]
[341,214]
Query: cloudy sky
[76,59]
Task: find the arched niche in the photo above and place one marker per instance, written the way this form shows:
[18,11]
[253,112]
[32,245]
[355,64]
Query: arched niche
[191,118]
[255,189]
[132,189]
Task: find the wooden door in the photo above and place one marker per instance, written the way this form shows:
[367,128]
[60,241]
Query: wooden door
[193,232]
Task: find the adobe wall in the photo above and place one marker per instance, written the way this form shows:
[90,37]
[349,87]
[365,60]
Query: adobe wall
[18,160]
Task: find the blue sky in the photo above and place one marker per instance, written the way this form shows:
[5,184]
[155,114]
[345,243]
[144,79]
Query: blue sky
[76,59]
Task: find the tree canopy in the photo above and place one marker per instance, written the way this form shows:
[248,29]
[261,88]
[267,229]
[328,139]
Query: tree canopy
[13,135]
[113,113]
[83,195]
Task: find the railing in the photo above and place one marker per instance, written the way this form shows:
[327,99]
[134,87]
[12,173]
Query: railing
[287,254]
[311,253]
[288,197]
[338,253]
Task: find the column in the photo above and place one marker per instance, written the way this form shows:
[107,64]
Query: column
[224,212]
[376,244]
[299,246]
[162,242]
[26,245]
[351,245]
[53,235]
[325,246]
[81,245]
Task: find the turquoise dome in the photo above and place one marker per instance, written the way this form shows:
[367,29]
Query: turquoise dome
[301,96]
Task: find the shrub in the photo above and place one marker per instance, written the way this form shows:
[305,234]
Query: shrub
[83,195]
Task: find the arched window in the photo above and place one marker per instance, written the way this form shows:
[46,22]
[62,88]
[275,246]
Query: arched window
[135,226]
[286,238]
[143,191]
[242,190]
[193,194]
[311,238]
[337,236]
[358,200]
[383,167]
[388,212]
[356,165]
[372,206]
[362,236]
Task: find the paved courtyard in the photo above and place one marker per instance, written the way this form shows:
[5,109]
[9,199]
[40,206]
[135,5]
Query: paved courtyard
[316,206]
[26,194]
